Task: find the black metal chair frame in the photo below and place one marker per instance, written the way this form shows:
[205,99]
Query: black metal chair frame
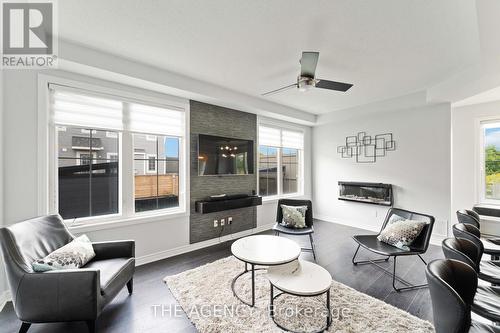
[282,292]
[309,222]
[426,234]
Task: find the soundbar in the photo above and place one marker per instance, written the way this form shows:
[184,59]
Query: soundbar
[226,203]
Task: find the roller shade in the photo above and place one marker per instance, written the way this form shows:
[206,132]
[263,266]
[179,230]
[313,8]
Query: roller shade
[269,136]
[75,107]
[276,137]
[71,108]
[156,120]
[292,139]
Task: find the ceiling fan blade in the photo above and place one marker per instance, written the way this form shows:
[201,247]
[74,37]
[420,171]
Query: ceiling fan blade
[333,85]
[308,64]
[280,89]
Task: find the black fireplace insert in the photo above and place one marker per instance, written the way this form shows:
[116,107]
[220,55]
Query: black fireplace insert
[371,193]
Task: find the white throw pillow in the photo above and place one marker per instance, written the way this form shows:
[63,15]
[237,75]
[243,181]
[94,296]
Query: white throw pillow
[401,234]
[294,216]
[72,255]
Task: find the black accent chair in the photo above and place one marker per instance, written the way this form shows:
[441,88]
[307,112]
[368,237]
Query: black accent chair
[469,252]
[452,285]
[278,228]
[62,295]
[468,216]
[470,232]
[419,246]
[486,302]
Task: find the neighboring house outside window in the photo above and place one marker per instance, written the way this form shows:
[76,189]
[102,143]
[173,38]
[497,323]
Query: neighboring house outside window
[151,163]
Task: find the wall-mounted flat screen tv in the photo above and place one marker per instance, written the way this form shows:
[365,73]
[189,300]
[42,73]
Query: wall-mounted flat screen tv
[224,156]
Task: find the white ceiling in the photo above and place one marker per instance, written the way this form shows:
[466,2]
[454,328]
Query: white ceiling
[386,48]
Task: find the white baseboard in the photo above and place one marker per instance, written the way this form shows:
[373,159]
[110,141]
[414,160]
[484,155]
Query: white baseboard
[4,298]
[436,239]
[196,246]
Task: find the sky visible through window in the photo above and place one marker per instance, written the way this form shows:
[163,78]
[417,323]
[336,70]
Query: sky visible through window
[172,147]
[492,137]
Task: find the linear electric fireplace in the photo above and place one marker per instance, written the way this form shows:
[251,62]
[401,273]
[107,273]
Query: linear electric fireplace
[372,193]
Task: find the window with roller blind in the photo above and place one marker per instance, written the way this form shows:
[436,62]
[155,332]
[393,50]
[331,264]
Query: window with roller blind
[115,156]
[280,161]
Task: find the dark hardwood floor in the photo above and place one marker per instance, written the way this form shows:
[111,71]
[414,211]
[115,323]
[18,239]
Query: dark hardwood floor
[334,246]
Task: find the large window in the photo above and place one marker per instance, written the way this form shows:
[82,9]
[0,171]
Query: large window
[115,157]
[280,161]
[490,162]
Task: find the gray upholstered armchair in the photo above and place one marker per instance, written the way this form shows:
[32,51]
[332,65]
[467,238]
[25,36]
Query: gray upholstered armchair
[63,295]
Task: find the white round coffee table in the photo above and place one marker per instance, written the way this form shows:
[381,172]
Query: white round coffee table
[300,278]
[262,250]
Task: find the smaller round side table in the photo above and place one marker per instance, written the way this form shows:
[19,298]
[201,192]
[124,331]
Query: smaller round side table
[303,279]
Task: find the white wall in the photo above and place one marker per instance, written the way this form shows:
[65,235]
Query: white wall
[419,169]
[465,161]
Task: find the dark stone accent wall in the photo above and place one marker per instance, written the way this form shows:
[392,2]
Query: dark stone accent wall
[215,120]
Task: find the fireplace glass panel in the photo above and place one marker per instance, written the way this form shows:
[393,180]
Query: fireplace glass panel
[377,194]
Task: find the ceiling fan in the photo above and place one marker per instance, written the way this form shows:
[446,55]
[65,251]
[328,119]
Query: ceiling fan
[307,78]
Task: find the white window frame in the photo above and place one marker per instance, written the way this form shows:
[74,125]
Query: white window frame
[47,155]
[300,180]
[148,170]
[480,162]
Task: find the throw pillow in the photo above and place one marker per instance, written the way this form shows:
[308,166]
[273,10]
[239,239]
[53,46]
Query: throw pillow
[294,216]
[401,234]
[72,255]
[395,218]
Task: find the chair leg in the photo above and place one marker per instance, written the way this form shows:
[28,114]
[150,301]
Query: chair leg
[24,327]
[92,325]
[409,286]
[130,286]
[363,262]
[312,246]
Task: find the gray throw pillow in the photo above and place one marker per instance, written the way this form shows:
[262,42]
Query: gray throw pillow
[401,234]
[294,216]
[72,255]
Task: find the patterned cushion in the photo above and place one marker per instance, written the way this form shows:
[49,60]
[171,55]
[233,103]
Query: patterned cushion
[395,218]
[72,255]
[401,234]
[294,216]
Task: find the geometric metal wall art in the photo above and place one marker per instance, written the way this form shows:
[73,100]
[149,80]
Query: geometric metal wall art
[366,148]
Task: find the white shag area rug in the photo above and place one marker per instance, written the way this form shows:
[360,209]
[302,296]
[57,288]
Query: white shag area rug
[205,295]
